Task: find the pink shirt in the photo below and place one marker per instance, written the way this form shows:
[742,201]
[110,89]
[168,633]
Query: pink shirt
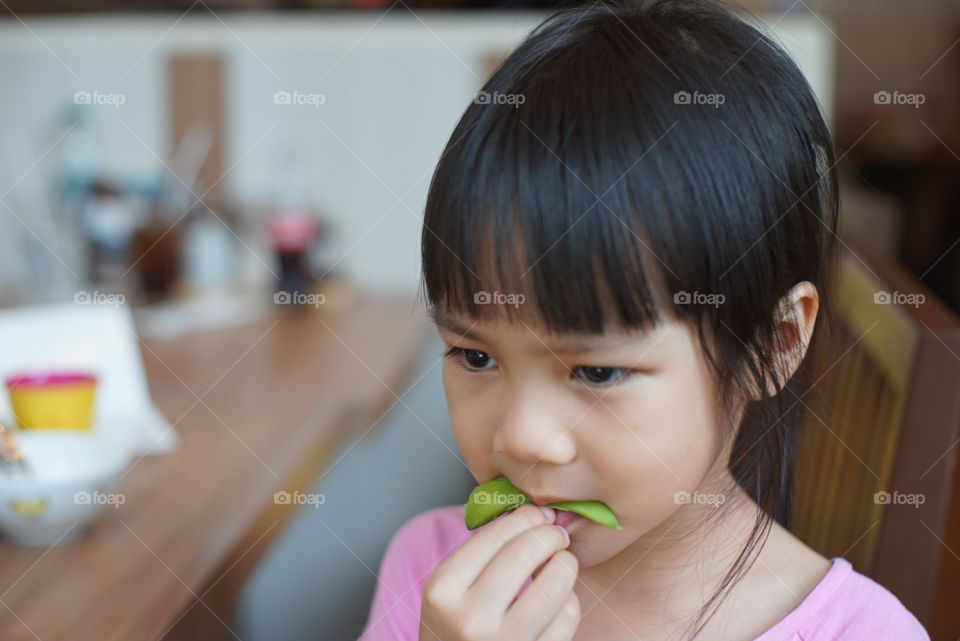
[843,605]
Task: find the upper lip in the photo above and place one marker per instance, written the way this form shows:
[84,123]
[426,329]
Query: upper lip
[542,499]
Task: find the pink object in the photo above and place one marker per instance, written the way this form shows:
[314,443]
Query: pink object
[843,605]
[293,229]
[49,378]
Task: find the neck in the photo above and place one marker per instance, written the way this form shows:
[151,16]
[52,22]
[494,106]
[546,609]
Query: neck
[665,577]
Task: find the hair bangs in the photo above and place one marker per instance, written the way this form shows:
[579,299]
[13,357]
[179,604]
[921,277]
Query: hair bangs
[572,258]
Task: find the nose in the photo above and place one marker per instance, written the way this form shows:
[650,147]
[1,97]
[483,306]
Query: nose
[533,428]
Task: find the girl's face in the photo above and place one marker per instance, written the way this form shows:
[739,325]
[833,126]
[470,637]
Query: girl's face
[624,418]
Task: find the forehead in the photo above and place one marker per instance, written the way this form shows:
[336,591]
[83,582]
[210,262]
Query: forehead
[490,330]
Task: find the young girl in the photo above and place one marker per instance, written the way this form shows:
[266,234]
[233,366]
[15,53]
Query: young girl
[627,243]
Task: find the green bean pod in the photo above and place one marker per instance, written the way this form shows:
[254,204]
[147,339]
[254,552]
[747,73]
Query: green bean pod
[593,510]
[489,500]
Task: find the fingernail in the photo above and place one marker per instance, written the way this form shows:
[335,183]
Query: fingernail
[566,536]
[549,513]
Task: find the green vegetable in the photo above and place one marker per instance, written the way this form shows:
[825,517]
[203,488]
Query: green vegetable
[489,500]
[593,510]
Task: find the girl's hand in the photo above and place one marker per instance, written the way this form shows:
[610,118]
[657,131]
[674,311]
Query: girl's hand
[470,596]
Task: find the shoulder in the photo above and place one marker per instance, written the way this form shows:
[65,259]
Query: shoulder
[837,601]
[850,605]
[412,554]
[431,535]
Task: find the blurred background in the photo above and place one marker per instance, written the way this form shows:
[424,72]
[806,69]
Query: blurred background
[210,216]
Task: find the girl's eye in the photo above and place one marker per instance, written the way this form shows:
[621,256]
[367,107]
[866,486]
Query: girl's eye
[600,376]
[471,360]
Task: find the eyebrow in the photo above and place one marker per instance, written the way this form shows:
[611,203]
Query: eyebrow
[575,343]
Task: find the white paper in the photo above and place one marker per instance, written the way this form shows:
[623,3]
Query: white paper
[96,338]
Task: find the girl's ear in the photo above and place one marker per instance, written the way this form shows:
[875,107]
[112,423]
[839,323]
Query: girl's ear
[796,316]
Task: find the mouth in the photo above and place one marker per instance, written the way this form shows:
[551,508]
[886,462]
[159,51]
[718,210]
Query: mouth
[488,500]
[543,499]
[565,518]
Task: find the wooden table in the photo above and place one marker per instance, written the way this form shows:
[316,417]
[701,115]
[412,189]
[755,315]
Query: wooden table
[260,409]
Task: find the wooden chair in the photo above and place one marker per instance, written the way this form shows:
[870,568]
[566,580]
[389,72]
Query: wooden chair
[876,460]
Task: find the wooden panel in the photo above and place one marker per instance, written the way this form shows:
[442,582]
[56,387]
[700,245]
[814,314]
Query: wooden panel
[196,96]
[852,428]
[883,418]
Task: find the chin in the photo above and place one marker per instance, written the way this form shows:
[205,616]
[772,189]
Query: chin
[596,547]
[588,557]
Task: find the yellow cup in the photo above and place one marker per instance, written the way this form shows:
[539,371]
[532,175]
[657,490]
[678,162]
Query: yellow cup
[53,400]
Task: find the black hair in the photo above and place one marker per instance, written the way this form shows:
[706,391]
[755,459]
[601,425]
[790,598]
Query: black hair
[633,157]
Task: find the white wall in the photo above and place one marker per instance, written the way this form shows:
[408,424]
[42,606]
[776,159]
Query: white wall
[394,86]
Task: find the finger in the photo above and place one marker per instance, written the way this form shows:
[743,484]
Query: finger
[460,569]
[530,580]
[506,573]
[565,624]
[541,602]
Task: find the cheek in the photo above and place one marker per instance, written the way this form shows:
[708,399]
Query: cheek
[664,440]
[470,420]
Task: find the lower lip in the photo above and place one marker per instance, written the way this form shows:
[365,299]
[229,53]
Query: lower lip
[565,519]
